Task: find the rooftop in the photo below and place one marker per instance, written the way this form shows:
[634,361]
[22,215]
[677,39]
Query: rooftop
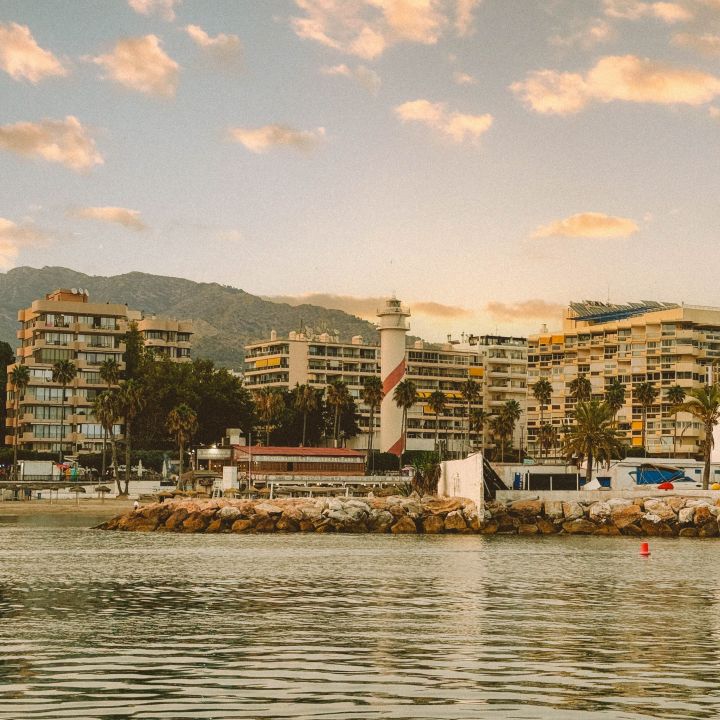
[595,311]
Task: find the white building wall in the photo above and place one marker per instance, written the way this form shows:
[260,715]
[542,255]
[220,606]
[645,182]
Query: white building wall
[463,478]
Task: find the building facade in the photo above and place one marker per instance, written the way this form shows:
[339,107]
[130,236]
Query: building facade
[165,337]
[65,325]
[661,343]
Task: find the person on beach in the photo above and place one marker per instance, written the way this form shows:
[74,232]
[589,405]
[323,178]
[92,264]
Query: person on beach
[136,505]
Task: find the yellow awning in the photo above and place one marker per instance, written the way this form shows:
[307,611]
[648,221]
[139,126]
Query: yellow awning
[637,425]
[273,362]
[558,338]
[260,363]
[477,372]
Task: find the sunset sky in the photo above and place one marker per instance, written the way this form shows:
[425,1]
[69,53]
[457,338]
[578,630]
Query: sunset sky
[486,160]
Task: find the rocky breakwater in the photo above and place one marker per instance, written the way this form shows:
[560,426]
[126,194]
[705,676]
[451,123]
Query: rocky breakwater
[654,517]
[398,515]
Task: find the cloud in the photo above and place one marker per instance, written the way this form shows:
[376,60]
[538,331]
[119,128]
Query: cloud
[368,78]
[366,28]
[595,32]
[628,78]
[457,126]
[588,225]
[15,237]
[707,44]
[122,216]
[259,140]
[367,307]
[461,78]
[141,64]
[225,48]
[667,12]
[66,142]
[525,310]
[22,58]
[164,8]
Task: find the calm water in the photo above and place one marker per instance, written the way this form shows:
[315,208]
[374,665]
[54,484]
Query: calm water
[105,625]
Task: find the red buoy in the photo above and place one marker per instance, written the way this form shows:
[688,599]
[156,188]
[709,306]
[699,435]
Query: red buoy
[644,549]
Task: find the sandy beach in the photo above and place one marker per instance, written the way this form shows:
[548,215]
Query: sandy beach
[90,507]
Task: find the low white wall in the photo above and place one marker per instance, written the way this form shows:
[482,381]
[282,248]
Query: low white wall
[639,491]
[463,478]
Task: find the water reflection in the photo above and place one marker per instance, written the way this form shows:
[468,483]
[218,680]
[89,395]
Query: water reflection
[156,626]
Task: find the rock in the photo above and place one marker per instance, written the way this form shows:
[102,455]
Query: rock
[607,530]
[433,524]
[455,522]
[287,523]
[413,509]
[229,513]
[442,506]
[324,527]
[307,526]
[579,526]
[714,510]
[702,515]
[333,504]
[176,519]
[311,512]
[572,510]
[355,503]
[709,529]
[676,503]
[195,522]
[686,516]
[546,527]
[625,515]
[599,511]
[265,523]
[554,509]
[633,530]
[688,531]
[528,529]
[653,527]
[404,525]
[507,524]
[267,508]
[215,526]
[616,503]
[660,509]
[242,525]
[489,528]
[137,523]
[526,508]
[357,514]
[379,521]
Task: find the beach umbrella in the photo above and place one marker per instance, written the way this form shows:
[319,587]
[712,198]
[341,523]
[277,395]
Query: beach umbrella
[165,494]
[102,489]
[231,492]
[77,489]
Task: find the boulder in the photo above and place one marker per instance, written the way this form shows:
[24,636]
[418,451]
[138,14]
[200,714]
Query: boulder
[554,509]
[455,522]
[686,516]
[625,515]
[307,526]
[506,523]
[526,508]
[379,521]
[660,509]
[413,509]
[287,523]
[528,529]
[607,530]
[489,528]
[265,523]
[311,512]
[215,526]
[688,531]
[599,512]
[546,527]
[709,529]
[242,525]
[702,515]
[195,522]
[268,508]
[176,519]
[676,503]
[442,506]
[633,530]
[357,514]
[357,503]
[653,526]
[573,510]
[579,526]
[433,524]
[229,514]
[404,525]
[616,503]
[137,523]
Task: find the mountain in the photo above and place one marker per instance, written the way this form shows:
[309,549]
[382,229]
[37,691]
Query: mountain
[225,318]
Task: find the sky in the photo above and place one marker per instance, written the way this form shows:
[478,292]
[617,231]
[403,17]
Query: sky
[487,161]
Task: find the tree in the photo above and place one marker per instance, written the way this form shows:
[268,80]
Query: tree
[542,392]
[338,397]
[7,357]
[547,437]
[593,436]
[110,371]
[405,396]
[306,400]
[478,418]
[19,379]
[437,402]
[107,411]
[132,401]
[580,389]
[646,393]
[63,373]
[704,404]
[372,395]
[269,405]
[615,396]
[471,394]
[183,424]
[501,430]
[135,354]
[675,396]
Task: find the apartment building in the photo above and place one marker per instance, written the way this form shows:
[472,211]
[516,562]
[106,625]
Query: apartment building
[164,337]
[321,359]
[665,344]
[65,325]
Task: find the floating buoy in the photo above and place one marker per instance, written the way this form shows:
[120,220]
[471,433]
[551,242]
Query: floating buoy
[644,549]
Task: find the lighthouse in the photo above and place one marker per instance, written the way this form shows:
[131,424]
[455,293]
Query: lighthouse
[393,328]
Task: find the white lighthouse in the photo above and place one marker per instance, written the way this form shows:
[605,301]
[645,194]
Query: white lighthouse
[393,328]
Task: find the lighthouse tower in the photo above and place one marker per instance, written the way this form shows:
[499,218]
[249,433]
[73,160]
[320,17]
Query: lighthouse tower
[393,328]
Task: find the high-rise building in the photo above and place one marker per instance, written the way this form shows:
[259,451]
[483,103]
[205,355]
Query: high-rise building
[664,344]
[165,337]
[65,325]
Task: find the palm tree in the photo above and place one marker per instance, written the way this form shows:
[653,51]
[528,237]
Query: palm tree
[110,371]
[511,412]
[132,401]
[372,395]
[580,389]
[593,436]
[478,418]
[63,372]
[675,396]
[542,392]
[547,437]
[269,404]
[646,393]
[500,429]
[107,411]
[405,396]
[471,394]
[306,400]
[437,403]
[20,379]
[338,397]
[183,424]
[615,395]
[704,404]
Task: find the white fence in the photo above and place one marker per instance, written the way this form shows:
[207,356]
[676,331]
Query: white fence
[463,478]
